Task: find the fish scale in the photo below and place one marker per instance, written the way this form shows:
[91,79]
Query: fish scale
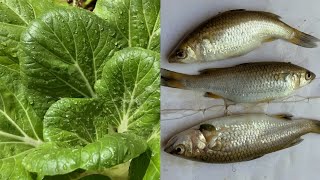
[270,136]
[241,137]
[238,147]
[240,33]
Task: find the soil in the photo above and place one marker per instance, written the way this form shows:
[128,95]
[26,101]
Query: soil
[82,3]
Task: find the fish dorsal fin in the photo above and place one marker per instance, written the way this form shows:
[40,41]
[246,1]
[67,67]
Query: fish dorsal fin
[283,116]
[269,14]
[207,71]
[237,10]
[207,127]
[233,10]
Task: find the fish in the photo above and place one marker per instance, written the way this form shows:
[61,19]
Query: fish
[241,137]
[255,82]
[235,33]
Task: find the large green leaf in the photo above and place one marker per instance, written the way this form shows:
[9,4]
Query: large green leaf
[75,121]
[39,102]
[20,128]
[128,101]
[109,151]
[153,171]
[64,52]
[79,174]
[15,15]
[138,21]
[5,60]
[147,165]
[11,168]
[130,85]
[17,120]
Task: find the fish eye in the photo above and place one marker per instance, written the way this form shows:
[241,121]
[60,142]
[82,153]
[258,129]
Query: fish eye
[308,75]
[180,149]
[181,54]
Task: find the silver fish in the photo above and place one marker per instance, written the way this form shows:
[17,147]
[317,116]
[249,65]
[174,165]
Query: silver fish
[240,137]
[250,82]
[234,33]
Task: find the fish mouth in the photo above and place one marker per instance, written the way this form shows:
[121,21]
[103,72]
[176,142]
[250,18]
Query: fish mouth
[169,148]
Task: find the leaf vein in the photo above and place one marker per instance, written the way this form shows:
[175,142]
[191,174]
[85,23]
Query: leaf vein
[153,30]
[129,22]
[17,13]
[13,123]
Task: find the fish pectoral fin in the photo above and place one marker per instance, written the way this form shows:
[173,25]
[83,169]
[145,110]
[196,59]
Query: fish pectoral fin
[212,95]
[266,100]
[208,131]
[283,76]
[283,116]
[216,146]
[293,143]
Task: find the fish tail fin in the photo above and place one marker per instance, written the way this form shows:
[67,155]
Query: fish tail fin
[305,40]
[172,79]
[316,126]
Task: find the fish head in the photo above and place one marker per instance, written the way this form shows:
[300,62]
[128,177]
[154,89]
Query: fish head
[187,144]
[184,53]
[306,77]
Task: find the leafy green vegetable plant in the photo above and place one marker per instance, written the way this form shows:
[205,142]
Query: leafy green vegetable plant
[79,91]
